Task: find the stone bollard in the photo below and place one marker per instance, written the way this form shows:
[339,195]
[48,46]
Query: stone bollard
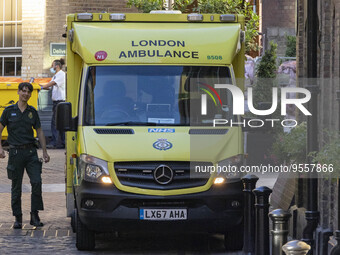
[249,183]
[262,221]
[280,219]
[296,247]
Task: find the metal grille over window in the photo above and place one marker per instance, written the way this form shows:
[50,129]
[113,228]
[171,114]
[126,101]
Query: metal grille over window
[158,175]
[10,37]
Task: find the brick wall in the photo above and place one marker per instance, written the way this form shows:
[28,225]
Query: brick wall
[301,56]
[55,19]
[328,65]
[33,27]
[278,20]
[43,23]
[328,106]
[99,6]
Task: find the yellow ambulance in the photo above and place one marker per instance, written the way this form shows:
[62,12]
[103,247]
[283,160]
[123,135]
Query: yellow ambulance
[142,151]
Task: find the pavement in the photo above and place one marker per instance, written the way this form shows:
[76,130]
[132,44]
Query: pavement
[56,236]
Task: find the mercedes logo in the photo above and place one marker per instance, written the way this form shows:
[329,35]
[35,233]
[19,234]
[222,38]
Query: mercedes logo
[163,174]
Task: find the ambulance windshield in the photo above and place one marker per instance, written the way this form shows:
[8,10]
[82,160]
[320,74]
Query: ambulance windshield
[156,95]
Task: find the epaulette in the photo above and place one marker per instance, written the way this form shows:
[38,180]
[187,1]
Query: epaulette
[10,106]
[32,108]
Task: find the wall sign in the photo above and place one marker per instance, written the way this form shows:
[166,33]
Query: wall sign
[57,49]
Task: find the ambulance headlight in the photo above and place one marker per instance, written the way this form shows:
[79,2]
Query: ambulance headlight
[93,169]
[93,172]
[230,169]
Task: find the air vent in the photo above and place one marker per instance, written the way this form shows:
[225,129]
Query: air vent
[114,131]
[208,131]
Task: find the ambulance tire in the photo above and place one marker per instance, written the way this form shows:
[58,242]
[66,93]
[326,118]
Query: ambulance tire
[233,240]
[73,220]
[85,238]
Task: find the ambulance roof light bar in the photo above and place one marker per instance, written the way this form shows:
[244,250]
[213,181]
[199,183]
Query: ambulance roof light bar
[84,16]
[227,17]
[165,12]
[117,17]
[194,17]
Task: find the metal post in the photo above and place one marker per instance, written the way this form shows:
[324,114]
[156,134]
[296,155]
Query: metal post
[336,249]
[280,230]
[338,99]
[296,247]
[262,221]
[249,183]
[312,215]
[312,218]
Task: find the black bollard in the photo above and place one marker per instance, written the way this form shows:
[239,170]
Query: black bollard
[336,249]
[249,184]
[262,220]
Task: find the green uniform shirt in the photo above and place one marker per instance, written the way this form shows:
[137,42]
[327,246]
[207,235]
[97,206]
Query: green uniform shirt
[19,124]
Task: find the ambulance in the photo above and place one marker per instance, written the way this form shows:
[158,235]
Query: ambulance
[142,152]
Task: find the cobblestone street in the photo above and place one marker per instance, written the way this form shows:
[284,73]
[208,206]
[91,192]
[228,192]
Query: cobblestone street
[56,236]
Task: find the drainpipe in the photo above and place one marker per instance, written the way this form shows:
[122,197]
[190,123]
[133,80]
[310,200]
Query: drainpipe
[338,99]
[336,249]
[312,214]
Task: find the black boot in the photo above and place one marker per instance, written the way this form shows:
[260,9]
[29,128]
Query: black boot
[18,222]
[35,220]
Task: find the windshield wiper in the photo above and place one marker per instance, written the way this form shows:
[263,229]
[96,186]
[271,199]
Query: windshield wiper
[172,125]
[131,123]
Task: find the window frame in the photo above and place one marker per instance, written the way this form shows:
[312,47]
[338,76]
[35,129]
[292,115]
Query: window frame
[14,51]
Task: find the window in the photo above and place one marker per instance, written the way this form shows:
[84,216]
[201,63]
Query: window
[10,37]
[155,95]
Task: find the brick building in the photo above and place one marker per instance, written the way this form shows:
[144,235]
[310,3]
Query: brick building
[328,107]
[29,29]
[43,23]
[278,19]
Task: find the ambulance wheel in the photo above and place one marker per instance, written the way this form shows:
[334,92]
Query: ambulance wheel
[233,240]
[85,238]
[73,220]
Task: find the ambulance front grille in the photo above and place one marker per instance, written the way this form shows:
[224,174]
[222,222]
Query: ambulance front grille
[141,174]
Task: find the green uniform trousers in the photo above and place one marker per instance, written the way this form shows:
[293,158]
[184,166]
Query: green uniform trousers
[20,159]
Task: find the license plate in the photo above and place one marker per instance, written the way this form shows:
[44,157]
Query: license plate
[163,214]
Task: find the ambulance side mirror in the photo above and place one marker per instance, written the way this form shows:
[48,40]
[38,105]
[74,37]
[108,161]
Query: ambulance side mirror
[64,120]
